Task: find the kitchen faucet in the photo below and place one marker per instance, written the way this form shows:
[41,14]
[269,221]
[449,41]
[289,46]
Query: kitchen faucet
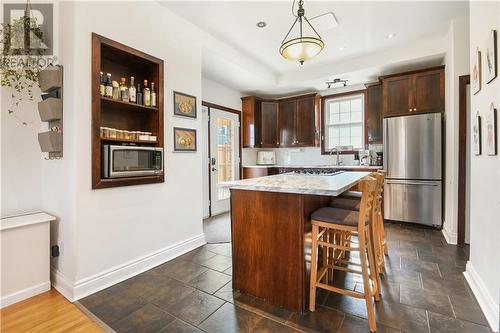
[336,148]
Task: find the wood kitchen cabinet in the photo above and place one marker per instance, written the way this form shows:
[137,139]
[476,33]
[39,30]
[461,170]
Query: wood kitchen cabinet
[269,127]
[374,112]
[286,123]
[251,121]
[254,172]
[413,92]
[299,122]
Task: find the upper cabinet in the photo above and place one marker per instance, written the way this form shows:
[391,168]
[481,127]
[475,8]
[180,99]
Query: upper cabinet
[413,92]
[374,112]
[291,122]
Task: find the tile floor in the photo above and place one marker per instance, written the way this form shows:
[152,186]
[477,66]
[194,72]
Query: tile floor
[423,291]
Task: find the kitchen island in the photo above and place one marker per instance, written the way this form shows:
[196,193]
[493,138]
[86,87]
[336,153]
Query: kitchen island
[271,232]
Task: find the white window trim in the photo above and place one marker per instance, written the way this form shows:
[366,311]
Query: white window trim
[326,118]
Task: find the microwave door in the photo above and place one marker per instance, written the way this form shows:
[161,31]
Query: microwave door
[130,161]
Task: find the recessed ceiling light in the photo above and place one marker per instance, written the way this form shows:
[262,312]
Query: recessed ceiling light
[261,24]
[391,35]
[341,48]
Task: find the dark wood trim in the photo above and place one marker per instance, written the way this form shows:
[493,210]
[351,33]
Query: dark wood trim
[222,108]
[463,81]
[322,117]
[292,98]
[422,70]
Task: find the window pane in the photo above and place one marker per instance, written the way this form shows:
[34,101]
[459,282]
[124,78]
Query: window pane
[357,142]
[356,117]
[356,130]
[356,105]
[344,131]
[345,117]
[344,121]
[345,106]
[344,141]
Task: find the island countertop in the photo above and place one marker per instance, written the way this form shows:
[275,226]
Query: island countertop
[332,185]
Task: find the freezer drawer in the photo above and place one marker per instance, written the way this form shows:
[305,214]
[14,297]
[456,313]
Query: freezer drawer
[413,201]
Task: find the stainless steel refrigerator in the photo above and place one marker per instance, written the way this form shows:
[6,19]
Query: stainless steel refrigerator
[412,160]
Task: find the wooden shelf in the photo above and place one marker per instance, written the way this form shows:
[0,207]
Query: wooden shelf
[109,56]
[117,104]
[128,140]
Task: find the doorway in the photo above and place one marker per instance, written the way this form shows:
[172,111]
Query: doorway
[464,157]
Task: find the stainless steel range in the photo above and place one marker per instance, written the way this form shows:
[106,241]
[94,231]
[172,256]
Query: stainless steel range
[313,171]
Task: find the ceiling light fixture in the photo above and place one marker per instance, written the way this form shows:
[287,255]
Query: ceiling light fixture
[334,81]
[261,24]
[301,48]
[341,48]
[391,35]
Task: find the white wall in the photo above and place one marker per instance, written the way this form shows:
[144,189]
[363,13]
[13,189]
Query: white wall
[483,268]
[457,64]
[216,93]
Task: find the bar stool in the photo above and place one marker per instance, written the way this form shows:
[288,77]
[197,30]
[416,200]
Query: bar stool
[327,221]
[351,201]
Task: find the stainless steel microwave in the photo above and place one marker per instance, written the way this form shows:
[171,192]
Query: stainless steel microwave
[131,161]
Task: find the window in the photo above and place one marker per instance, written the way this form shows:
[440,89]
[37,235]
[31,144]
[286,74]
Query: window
[344,122]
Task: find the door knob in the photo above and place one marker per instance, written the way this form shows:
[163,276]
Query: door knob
[214,169]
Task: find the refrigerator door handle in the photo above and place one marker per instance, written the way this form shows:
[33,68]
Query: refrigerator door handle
[433,183]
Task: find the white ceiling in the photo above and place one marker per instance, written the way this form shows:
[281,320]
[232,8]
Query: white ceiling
[361,31]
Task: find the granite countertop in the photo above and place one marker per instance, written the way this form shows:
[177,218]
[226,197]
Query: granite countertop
[341,167]
[332,185]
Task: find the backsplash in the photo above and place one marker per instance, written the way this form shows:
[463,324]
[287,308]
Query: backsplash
[301,156]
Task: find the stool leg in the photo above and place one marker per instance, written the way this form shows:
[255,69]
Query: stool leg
[324,256]
[366,283]
[373,262]
[382,235]
[314,268]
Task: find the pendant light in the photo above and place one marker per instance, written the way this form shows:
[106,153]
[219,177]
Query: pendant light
[303,47]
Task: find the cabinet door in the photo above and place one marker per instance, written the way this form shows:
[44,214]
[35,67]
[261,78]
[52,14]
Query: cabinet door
[249,172]
[428,92]
[397,95]
[374,113]
[251,108]
[286,123]
[269,127]
[305,123]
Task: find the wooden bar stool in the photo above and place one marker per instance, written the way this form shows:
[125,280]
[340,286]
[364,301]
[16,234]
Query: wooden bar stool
[327,221]
[351,201]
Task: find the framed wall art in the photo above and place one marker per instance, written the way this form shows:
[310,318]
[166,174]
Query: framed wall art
[476,73]
[476,135]
[491,131]
[491,57]
[184,139]
[184,105]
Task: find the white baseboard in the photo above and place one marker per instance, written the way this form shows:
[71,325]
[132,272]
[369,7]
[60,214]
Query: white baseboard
[62,284]
[24,294]
[485,300]
[451,237]
[103,280]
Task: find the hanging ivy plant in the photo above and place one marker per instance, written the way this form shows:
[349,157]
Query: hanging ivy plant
[22,59]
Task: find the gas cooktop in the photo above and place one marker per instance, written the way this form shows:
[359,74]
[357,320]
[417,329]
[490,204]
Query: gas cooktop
[317,171]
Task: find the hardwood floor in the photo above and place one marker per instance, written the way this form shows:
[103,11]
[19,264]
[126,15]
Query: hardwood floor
[47,312]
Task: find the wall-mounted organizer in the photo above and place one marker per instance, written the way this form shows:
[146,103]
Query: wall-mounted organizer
[51,110]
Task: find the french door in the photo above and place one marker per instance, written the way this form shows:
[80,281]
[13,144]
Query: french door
[224,157]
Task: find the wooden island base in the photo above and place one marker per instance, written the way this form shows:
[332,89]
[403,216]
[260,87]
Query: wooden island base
[271,242]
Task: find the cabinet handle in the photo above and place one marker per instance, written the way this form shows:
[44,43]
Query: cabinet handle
[411,109]
[414,109]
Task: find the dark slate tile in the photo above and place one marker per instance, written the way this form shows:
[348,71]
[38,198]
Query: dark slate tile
[101,296]
[230,318]
[430,256]
[170,292]
[259,306]
[219,263]
[117,307]
[144,285]
[407,318]
[450,286]
[224,249]
[198,255]
[229,271]
[467,308]
[270,326]
[322,320]
[148,319]
[352,324]
[443,324]
[426,299]
[210,281]
[227,293]
[178,326]
[195,307]
[403,277]
[350,305]
[180,270]
[451,271]
[430,268]
[415,246]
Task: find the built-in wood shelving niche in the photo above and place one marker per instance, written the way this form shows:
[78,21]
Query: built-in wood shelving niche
[120,60]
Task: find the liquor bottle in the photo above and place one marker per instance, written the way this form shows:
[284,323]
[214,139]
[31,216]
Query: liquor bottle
[109,86]
[146,94]
[124,90]
[102,84]
[139,94]
[153,94]
[132,91]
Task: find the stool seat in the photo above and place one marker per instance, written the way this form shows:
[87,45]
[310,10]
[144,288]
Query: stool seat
[337,216]
[352,194]
[346,203]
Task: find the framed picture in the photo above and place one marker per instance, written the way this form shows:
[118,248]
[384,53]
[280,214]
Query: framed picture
[184,139]
[476,73]
[491,131]
[184,105]
[476,135]
[491,57]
